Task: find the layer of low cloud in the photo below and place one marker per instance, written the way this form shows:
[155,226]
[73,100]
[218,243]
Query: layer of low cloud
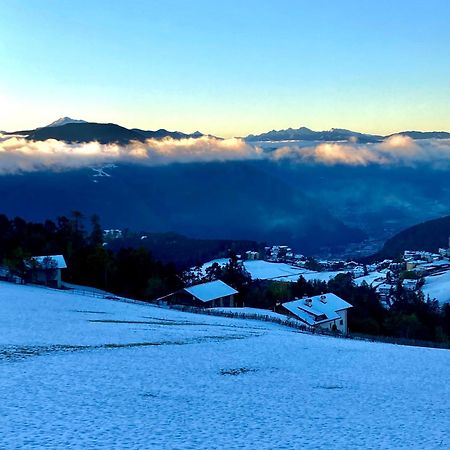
[397,150]
[20,155]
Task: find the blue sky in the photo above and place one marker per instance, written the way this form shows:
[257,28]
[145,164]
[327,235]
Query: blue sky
[228,68]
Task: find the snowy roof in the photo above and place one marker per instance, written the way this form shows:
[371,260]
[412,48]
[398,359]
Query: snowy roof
[323,308]
[56,261]
[206,292]
[383,286]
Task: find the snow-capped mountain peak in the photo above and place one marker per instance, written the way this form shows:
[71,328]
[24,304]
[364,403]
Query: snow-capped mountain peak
[64,121]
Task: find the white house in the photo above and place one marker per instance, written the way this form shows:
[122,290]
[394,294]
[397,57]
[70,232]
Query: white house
[384,289]
[206,295]
[325,311]
[47,269]
[410,285]
[358,271]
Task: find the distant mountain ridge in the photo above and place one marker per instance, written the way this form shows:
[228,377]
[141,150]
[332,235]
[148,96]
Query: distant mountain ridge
[77,130]
[338,134]
[424,134]
[70,130]
[105,133]
[306,134]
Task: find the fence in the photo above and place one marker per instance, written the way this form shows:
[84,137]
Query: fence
[86,293]
[104,295]
[291,323]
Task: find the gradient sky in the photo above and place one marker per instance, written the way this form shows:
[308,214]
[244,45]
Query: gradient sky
[228,68]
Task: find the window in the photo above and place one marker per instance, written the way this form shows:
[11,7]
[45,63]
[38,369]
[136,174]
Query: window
[341,322]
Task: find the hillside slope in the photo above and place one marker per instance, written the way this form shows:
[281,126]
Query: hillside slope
[131,376]
[234,200]
[429,236]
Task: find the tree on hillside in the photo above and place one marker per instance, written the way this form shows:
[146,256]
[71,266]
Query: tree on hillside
[235,274]
[96,236]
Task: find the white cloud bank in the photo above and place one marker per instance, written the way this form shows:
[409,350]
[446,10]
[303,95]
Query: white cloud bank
[396,150]
[20,155]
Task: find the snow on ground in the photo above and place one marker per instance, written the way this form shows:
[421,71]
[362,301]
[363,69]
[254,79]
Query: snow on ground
[438,287]
[321,276]
[265,270]
[372,279]
[79,372]
[78,287]
[256,311]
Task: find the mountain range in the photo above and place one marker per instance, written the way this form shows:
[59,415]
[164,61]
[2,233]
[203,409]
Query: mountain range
[75,130]
[310,207]
[337,134]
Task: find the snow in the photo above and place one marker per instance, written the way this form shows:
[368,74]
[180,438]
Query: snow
[321,276]
[438,287]
[265,270]
[54,261]
[64,121]
[253,311]
[206,292]
[78,372]
[372,279]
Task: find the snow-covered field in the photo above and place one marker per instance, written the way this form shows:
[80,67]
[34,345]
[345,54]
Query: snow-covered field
[79,372]
[265,270]
[371,279]
[254,311]
[438,287]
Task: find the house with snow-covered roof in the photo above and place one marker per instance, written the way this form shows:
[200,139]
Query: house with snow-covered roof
[325,311]
[205,295]
[46,269]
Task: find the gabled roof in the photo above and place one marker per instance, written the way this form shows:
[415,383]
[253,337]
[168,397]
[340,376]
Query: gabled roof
[213,290]
[56,261]
[319,311]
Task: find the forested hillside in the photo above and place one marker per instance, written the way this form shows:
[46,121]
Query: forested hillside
[429,236]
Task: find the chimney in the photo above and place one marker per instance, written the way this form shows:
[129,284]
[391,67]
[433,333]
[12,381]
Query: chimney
[308,302]
[323,298]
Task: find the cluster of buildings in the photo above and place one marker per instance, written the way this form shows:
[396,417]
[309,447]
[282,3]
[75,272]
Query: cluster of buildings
[112,234]
[415,265]
[284,254]
[277,253]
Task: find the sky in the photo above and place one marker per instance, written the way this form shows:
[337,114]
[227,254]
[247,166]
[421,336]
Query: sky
[227,68]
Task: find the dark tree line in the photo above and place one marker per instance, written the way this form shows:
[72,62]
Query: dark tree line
[131,272]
